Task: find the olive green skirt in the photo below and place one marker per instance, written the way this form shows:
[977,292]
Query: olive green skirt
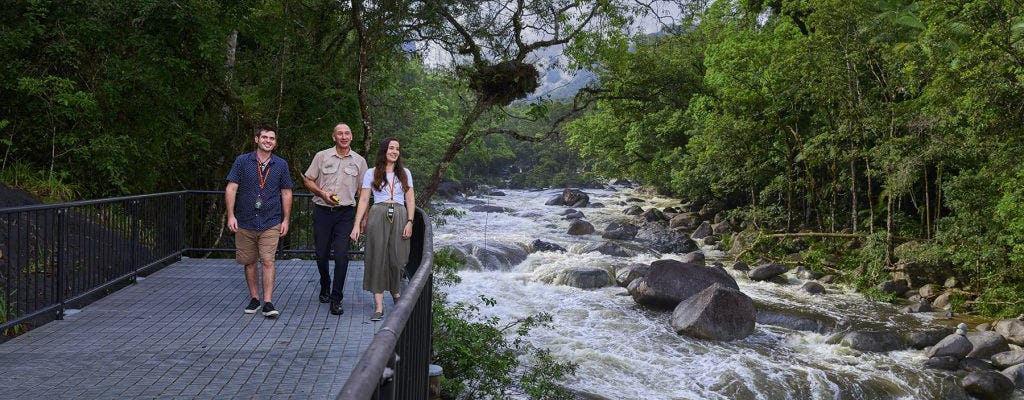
[386,251]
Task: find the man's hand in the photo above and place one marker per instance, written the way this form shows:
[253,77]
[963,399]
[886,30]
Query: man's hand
[233,224]
[284,227]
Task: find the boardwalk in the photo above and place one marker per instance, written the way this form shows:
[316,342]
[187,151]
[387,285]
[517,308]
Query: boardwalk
[181,334]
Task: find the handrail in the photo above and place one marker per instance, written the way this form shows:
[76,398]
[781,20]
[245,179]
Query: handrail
[369,375]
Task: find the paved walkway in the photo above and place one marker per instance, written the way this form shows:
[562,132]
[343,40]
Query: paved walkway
[181,334]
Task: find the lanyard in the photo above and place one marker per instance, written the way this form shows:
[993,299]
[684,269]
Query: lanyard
[391,185]
[263,178]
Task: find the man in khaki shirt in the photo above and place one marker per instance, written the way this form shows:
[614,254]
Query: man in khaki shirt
[334,177]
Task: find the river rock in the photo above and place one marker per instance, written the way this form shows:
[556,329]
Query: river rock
[948,363]
[702,231]
[795,319]
[555,201]
[986,344]
[1016,374]
[813,287]
[653,214]
[607,248]
[987,385]
[805,273]
[741,241]
[490,209]
[584,277]
[580,227]
[955,345]
[540,245]
[922,339]
[767,272]
[626,275]
[685,221]
[827,278]
[669,281]
[942,301]
[492,255]
[1012,329]
[575,198]
[633,210]
[715,313]
[620,231]
[574,215]
[894,287]
[982,327]
[663,240]
[449,189]
[722,228]
[918,307]
[971,364]
[929,291]
[1007,359]
[694,257]
[873,341]
[740,266]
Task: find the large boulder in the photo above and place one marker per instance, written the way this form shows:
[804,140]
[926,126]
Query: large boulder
[873,341]
[684,221]
[575,198]
[702,231]
[663,240]
[584,277]
[767,272]
[715,313]
[722,228]
[922,339]
[633,210]
[624,276]
[669,281]
[694,257]
[1007,359]
[794,318]
[540,245]
[486,208]
[555,201]
[580,227]
[620,231]
[653,214]
[987,385]
[1016,374]
[1012,329]
[492,255]
[894,287]
[955,345]
[985,344]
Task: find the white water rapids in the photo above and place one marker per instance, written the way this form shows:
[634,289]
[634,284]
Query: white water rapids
[625,351]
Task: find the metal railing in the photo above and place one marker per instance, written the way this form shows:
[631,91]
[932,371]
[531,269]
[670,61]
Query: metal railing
[55,256]
[395,364]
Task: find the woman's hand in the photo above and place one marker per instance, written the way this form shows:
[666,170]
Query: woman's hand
[407,232]
[355,233]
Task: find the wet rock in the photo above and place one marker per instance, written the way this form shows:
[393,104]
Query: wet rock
[490,209]
[987,385]
[580,227]
[575,198]
[584,277]
[827,279]
[766,272]
[973,364]
[669,281]
[574,215]
[740,266]
[983,327]
[492,256]
[626,275]
[555,201]
[955,345]
[873,341]
[942,301]
[663,240]
[722,228]
[1012,329]
[711,240]
[607,248]
[566,211]
[633,210]
[922,339]
[948,363]
[986,344]
[715,313]
[1007,359]
[540,245]
[702,231]
[620,231]
[653,214]
[495,193]
[694,257]
[813,288]
[1016,374]
[918,307]
[789,318]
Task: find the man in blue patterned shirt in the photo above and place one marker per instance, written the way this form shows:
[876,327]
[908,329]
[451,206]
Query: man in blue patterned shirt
[259,204]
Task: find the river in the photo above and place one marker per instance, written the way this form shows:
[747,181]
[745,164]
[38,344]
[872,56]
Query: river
[625,351]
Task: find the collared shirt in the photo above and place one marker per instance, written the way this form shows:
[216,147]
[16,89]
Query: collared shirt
[392,190]
[245,172]
[336,174]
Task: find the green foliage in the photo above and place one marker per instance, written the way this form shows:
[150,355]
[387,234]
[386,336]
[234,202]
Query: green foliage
[483,357]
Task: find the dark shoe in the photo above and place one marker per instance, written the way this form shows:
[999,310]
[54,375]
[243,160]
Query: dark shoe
[324,295]
[269,311]
[254,305]
[336,308]
[377,316]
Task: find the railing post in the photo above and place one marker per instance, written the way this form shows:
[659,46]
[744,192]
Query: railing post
[133,211]
[59,256]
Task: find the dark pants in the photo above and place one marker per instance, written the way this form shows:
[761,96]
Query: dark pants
[331,227]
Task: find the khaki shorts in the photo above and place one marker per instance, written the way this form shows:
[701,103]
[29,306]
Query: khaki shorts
[250,244]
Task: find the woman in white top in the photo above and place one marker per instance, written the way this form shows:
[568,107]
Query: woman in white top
[389,224]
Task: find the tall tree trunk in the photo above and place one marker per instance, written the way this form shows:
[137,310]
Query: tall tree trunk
[364,108]
[938,197]
[459,141]
[871,196]
[927,206]
[853,193]
[889,227]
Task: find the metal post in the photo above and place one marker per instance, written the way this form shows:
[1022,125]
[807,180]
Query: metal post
[59,249]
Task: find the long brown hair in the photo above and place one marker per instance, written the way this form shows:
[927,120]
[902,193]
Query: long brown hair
[380,166]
